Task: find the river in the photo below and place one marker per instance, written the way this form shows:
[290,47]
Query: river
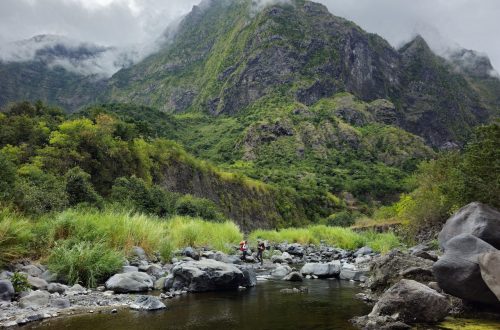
[328,305]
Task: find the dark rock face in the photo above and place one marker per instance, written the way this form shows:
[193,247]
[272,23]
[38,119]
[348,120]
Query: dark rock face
[475,219]
[387,270]
[207,275]
[413,302]
[458,272]
[6,290]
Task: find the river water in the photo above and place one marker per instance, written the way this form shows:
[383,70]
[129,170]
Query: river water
[328,305]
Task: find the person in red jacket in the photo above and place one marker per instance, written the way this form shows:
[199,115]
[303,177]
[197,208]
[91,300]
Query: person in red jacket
[244,250]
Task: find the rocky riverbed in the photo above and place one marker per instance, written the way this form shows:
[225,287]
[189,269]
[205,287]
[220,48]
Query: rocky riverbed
[424,284]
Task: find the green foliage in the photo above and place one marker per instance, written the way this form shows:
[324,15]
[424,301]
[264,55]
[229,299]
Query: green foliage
[79,189]
[15,236]
[135,193]
[340,237]
[198,207]
[20,282]
[83,262]
[342,219]
[454,180]
[7,177]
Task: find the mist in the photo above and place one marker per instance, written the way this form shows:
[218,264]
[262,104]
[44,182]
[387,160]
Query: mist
[129,30]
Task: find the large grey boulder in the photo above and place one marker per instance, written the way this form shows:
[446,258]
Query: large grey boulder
[322,270]
[281,271]
[130,282]
[489,263]
[389,269]
[35,299]
[7,291]
[250,277]
[412,302]
[37,283]
[206,275]
[475,219]
[147,303]
[458,272]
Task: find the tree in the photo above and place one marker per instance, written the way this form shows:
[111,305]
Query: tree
[79,189]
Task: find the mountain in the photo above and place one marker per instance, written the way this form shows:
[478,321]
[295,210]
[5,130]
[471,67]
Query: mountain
[289,95]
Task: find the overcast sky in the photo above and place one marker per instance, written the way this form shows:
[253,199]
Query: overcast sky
[473,24]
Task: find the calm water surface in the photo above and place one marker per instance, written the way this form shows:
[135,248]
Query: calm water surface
[328,305]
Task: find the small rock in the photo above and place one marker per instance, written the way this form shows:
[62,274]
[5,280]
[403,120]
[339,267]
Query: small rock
[56,287]
[294,277]
[60,303]
[147,303]
[37,283]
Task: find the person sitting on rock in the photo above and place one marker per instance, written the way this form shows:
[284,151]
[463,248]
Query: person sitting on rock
[244,250]
[260,251]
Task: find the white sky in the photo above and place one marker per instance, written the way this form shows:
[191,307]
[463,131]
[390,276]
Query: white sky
[474,24]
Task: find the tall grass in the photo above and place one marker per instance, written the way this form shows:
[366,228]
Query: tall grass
[336,236]
[15,236]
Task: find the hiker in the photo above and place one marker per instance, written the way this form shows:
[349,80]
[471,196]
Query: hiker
[260,251]
[244,249]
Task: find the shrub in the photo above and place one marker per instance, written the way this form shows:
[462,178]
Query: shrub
[342,219]
[15,236]
[7,177]
[20,282]
[198,207]
[79,189]
[84,262]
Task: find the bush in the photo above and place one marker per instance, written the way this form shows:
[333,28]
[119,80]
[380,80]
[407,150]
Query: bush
[79,189]
[15,236]
[342,219]
[198,207]
[20,282]
[7,177]
[86,263]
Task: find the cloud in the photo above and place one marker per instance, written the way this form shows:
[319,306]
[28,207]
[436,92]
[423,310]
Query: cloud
[133,26]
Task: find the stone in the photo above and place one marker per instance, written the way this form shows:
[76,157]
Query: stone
[130,282]
[60,303]
[388,269]
[280,272]
[147,303]
[296,250]
[35,299]
[7,291]
[191,253]
[37,283]
[138,256]
[76,289]
[294,277]
[489,263]
[56,287]
[32,270]
[49,276]
[475,219]
[352,275]
[458,272]
[363,251]
[129,269]
[206,275]
[322,270]
[287,257]
[412,302]
[160,283]
[250,277]
[155,271]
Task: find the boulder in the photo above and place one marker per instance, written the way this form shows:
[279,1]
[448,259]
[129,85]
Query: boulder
[56,287]
[281,271]
[129,269]
[191,253]
[50,277]
[37,283]
[475,219]
[489,263]
[155,271]
[206,275]
[160,283]
[7,291]
[322,270]
[458,272]
[130,282]
[412,302]
[32,270]
[138,256]
[294,277]
[389,269]
[147,303]
[296,250]
[35,299]
[76,289]
[347,274]
[250,277]
[363,251]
